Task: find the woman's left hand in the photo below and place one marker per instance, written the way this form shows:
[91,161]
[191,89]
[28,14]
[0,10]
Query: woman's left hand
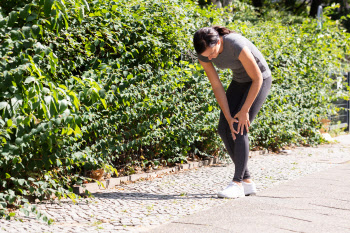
[243,121]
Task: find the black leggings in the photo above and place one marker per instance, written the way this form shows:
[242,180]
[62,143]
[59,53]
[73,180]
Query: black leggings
[239,149]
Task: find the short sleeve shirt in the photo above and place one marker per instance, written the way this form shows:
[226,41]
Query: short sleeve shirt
[228,58]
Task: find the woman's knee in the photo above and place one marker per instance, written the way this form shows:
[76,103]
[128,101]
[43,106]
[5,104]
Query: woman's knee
[235,126]
[222,129]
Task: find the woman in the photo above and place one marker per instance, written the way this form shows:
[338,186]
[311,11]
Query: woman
[243,99]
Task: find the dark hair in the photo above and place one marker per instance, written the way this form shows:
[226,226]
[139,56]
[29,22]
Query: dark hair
[208,37]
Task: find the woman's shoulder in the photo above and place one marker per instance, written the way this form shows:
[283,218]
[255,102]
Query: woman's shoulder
[235,42]
[233,37]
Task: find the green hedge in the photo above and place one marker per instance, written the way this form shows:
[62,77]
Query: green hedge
[115,84]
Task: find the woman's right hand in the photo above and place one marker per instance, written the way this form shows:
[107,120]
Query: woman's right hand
[230,123]
[219,93]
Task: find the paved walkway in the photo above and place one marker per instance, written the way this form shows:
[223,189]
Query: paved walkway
[315,203]
[145,206]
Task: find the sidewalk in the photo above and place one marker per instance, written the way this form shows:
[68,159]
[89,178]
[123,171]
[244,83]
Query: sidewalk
[188,199]
[315,203]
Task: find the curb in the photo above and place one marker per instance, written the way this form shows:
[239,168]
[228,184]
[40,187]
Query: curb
[258,152]
[113,182]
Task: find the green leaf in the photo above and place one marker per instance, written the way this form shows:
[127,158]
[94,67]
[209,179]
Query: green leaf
[3,105]
[34,208]
[12,18]
[12,214]
[3,204]
[26,212]
[96,42]
[77,131]
[24,12]
[32,17]
[44,108]
[19,141]
[79,80]
[27,120]
[104,103]
[53,62]
[30,79]
[21,181]
[74,99]
[9,123]
[70,131]
[62,7]
[102,93]
[86,5]
[35,31]
[2,23]
[26,32]
[7,175]
[58,162]
[47,7]
[63,104]
[81,14]
[54,58]
[65,22]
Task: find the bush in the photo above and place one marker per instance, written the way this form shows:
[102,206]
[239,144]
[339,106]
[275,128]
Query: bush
[110,84]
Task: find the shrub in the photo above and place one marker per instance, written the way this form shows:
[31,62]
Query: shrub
[109,84]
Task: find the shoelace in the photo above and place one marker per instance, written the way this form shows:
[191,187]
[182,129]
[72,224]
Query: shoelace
[234,184]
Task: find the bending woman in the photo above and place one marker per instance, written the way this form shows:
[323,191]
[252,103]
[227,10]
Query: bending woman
[243,99]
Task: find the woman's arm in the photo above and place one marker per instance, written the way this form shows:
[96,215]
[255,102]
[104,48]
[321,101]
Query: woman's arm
[252,69]
[219,93]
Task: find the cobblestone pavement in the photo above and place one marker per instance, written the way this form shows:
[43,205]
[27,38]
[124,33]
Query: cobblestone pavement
[140,206]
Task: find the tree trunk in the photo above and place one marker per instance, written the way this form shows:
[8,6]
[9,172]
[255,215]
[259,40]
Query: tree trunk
[344,7]
[290,4]
[221,3]
[314,7]
[226,2]
[217,3]
[257,3]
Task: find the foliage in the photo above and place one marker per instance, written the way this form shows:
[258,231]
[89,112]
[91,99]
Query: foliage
[338,129]
[89,84]
[109,88]
[301,58]
[339,12]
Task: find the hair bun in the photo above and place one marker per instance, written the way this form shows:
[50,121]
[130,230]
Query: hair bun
[222,30]
[208,37]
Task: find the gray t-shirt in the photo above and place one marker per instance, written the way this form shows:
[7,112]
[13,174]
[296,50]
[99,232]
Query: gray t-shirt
[228,58]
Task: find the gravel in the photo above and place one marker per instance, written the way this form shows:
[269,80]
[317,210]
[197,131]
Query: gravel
[139,206]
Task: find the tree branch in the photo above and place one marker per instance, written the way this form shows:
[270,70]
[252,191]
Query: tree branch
[301,5]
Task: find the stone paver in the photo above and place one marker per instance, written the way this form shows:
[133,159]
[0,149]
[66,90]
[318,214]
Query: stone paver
[142,205]
[318,202]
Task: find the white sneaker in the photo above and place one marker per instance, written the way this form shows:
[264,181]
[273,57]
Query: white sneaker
[249,188]
[233,190]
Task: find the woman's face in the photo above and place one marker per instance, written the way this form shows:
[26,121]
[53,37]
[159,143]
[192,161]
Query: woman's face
[212,52]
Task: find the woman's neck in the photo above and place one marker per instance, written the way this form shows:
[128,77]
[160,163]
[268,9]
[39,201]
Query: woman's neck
[221,44]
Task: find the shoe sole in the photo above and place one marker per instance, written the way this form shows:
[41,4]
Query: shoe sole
[253,193]
[230,197]
[250,194]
